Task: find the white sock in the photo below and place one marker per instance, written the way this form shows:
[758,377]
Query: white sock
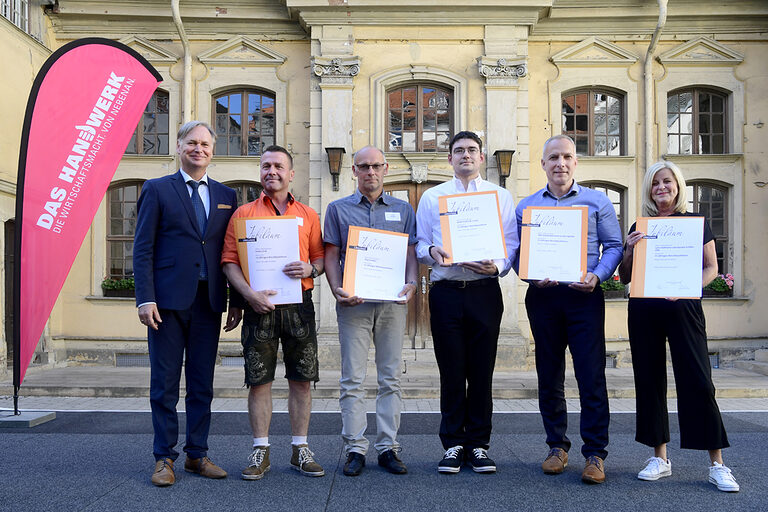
[298,440]
[261,441]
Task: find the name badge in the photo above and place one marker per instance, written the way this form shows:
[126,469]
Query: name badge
[300,220]
[392,216]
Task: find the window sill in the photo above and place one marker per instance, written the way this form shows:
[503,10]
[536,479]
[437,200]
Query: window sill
[598,158]
[101,298]
[726,158]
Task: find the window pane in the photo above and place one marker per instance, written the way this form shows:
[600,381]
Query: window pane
[395,120]
[151,104]
[717,123]
[614,125]
[718,103]
[394,99]
[686,123]
[580,103]
[686,102]
[429,121]
[599,120]
[395,141]
[254,103]
[600,146]
[221,124]
[704,123]
[443,120]
[254,145]
[614,148]
[409,97]
[254,123]
[582,145]
[234,126]
[429,142]
[131,148]
[428,97]
[162,102]
[705,105]
[686,144]
[409,119]
[582,124]
[673,101]
[704,146]
[718,144]
[409,141]
[234,103]
[443,138]
[673,144]
[162,144]
[221,105]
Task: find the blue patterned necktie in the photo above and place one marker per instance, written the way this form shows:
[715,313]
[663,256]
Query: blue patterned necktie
[202,220]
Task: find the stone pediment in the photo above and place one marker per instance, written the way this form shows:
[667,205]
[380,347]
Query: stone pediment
[701,50]
[148,50]
[243,51]
[593,51]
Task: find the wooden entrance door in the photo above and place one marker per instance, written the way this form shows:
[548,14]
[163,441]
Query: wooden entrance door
[417,329]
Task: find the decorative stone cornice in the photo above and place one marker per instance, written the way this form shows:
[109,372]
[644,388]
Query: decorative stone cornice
[336,70]
[502,70]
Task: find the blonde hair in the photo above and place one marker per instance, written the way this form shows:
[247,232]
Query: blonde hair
[681,202]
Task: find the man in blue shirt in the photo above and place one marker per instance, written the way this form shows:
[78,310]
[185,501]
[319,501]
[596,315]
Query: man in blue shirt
[573,315]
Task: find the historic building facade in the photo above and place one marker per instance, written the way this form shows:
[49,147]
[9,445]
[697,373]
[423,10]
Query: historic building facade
[405,75]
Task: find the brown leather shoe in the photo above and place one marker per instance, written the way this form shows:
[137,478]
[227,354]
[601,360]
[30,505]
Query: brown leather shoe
[555,462]
[204,467]
[594,470]
[164,475]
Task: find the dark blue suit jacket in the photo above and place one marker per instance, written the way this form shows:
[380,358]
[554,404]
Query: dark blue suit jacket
[166,248]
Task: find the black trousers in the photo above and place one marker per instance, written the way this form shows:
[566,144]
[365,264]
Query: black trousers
[651,323]
[562,317]
[465,329]
[196,332]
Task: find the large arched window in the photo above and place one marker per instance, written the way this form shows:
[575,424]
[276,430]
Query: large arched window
[246,191]
[121,226]
[696,122]
[712,201]
[419,118]
[616,195]
[151,135]
[594,119]
[244,121]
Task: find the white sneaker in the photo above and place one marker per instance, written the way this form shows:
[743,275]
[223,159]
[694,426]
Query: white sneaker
[721,476]
[655,468]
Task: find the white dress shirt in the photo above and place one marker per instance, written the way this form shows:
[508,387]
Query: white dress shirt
[205,194]
[428,232]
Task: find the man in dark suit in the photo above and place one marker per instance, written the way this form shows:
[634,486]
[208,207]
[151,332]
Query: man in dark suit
[181,293]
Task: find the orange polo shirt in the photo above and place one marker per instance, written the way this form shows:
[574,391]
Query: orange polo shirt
[310,238]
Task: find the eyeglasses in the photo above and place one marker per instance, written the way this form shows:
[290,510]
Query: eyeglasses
[472,150]
[365,167]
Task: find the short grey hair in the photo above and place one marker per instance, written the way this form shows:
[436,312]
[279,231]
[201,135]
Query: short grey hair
[681,202]
[191,125]
[557,137]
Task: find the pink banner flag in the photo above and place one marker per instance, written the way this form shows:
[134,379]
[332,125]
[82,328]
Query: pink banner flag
[83,108]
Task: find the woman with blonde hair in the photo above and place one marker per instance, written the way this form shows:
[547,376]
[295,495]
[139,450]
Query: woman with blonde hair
[654,321]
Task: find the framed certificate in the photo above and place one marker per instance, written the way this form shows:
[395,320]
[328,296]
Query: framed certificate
[265,245]
[471,227]
[374,268]
[553,243]
[667,261]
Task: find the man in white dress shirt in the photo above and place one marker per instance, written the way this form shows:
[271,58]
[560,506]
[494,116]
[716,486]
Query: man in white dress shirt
[466,306]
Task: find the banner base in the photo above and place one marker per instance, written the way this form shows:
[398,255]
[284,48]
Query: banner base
[26,419]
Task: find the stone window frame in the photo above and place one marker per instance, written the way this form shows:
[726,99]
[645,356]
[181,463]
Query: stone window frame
[384,81]
[696,90]
[419,107]
[591,91]
[243,91]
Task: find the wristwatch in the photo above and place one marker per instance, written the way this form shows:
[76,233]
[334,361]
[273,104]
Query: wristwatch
[314,272]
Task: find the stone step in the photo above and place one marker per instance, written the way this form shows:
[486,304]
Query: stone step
[753,366]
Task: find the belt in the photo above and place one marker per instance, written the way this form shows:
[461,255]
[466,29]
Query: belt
[445,283]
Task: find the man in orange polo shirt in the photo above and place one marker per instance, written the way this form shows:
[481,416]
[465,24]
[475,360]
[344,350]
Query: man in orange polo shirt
[264,324]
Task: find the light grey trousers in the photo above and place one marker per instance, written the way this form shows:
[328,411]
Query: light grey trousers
[384,323]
